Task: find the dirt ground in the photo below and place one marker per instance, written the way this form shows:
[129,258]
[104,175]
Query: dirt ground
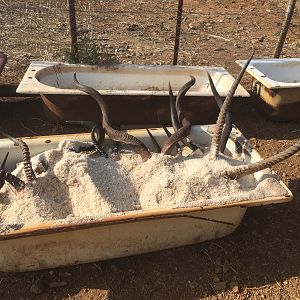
[261,259]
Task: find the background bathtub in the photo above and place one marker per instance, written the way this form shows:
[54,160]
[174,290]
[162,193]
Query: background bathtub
[277,83]
[135,94]
[53,244]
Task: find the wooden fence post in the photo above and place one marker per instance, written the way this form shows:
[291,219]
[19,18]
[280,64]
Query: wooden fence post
[177,35]
[285,28]
[73,30]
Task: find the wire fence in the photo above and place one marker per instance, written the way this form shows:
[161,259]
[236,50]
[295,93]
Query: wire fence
[142,31]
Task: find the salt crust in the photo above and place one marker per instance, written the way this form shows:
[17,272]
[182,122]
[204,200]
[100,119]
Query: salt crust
[72,185]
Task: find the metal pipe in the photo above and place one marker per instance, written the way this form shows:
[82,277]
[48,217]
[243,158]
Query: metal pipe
[178,29]
[285,28]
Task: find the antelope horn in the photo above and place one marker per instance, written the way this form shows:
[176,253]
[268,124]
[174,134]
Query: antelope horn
[29,173]
[181,95]
[175,121]
[216,139]
[116,135]
[228,121]
[154,141]
[17,183]
[98,136]
[240,171]
[174,116]
[184,131]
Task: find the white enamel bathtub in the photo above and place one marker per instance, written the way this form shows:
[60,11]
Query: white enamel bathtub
[142,89]
[53,244]
[277,83]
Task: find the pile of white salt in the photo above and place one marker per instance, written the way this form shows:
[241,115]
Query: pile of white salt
[79,185]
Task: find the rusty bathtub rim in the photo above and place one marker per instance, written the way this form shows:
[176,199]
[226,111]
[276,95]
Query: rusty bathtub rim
[52,227]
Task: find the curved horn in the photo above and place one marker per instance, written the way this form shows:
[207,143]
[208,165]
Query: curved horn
[174,116]
[13,180]
[228,122]
[17,183]
[184,131]
[175,122]
[29,173]
[116,135]
[154,141]
[216,139]
[180,96]
[98,136]
[240,171]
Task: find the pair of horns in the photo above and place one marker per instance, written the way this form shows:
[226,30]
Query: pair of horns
[235,172]
[184,126]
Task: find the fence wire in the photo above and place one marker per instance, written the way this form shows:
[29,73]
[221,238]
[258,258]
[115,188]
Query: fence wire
[143,31]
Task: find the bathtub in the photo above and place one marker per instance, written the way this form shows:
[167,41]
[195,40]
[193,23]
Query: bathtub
[135,94]
[53,244]
[277,83]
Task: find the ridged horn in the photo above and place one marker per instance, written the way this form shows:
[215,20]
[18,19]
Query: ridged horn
[116,135]
[216,139]
[240,171]
[228,121]
[185,129]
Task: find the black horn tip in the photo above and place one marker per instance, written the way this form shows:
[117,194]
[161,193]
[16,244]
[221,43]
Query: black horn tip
[75,78]
[170,89]
[193,79]
[209,77]
[249,59]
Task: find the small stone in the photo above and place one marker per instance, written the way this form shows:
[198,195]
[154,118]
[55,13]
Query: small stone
[133,27]
[220,286]
[64,274]
[234,286]
[39,286]
[261,39]
[193,27]
[55,284]
[51,272]
[216,279]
